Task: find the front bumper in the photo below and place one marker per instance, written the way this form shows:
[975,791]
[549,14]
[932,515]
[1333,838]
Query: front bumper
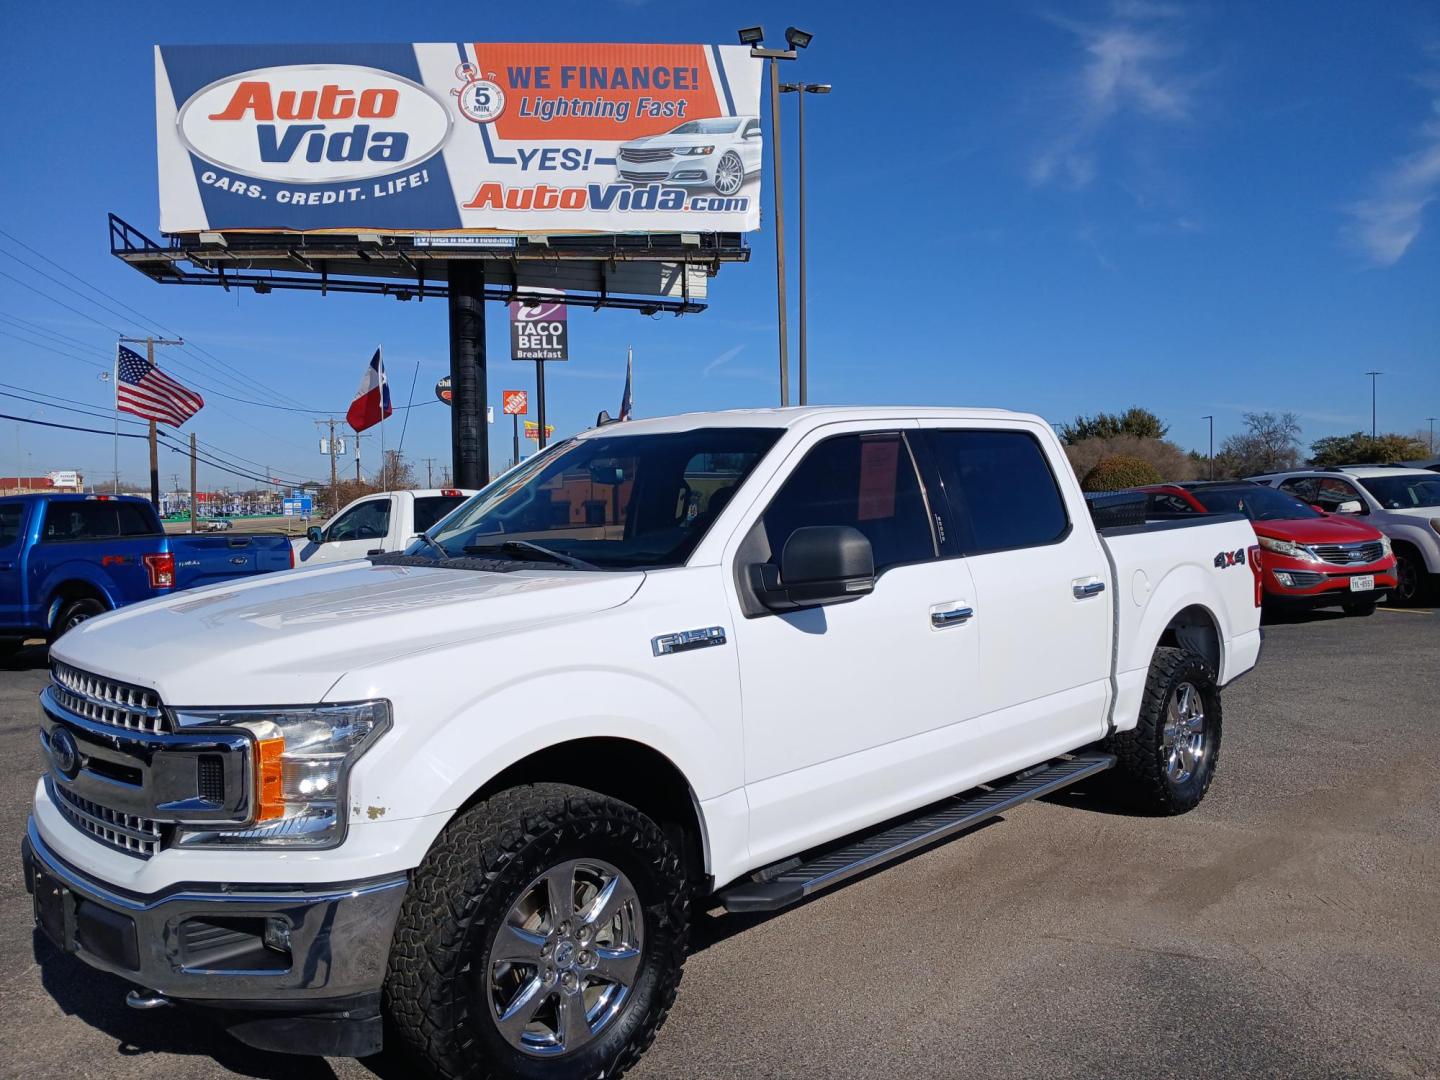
[203,945]
[1316,585]
[679,172]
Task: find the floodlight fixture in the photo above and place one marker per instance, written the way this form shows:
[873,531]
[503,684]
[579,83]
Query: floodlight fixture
[817,88]
[752,35]
[797,39]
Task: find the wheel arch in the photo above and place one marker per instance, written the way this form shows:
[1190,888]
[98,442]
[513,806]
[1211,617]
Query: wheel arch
[622,769]
[73,588]
[1195,628]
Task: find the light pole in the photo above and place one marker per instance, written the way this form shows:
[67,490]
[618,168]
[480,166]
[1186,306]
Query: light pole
[754,36]
[802,89]
[1373,375]
[1432,434]
[1212,444]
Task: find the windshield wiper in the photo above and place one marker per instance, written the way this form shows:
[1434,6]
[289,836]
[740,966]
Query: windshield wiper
[514,547]
[439,548]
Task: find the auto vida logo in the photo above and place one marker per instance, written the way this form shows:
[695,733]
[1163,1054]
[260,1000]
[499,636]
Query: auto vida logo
[314,124]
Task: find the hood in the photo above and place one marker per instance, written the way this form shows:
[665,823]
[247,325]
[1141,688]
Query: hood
[287,638]
[1331,529]
[667,140]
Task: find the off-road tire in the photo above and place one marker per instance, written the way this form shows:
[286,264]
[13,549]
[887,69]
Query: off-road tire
[1359,608]
[74,612]
[1140,771]
[476,870]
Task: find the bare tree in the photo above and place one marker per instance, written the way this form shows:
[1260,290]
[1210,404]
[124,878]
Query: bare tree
[1270,443]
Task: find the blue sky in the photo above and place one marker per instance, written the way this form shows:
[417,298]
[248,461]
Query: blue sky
[1054,207]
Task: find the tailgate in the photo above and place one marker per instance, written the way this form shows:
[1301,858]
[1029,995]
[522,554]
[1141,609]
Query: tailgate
[205,560]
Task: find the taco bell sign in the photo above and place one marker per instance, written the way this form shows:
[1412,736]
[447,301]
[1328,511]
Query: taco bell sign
[538,332]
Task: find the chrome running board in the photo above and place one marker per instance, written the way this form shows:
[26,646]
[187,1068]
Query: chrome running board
[791,881]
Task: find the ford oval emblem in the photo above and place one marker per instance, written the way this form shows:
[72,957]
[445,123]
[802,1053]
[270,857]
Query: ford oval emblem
[65,753]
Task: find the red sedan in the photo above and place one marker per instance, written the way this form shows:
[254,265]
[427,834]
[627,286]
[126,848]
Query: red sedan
[1312,559]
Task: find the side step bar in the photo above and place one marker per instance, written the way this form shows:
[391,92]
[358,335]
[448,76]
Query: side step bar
[791,881]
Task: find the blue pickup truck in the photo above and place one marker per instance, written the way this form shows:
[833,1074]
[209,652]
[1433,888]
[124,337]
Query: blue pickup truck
[64,558]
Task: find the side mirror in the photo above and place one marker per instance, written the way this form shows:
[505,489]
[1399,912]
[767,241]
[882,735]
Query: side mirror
[821,564]
[1350,506]
[315,535]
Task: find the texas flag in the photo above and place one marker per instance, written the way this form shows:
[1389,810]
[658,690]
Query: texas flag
[372,400]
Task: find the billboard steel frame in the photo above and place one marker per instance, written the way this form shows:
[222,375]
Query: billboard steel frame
[443,266]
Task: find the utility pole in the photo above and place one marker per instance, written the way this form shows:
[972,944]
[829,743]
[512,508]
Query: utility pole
[429,461]
[193,492]
[332,452]
[1373,375]
[1432,420]
[1212,444]
[150,343]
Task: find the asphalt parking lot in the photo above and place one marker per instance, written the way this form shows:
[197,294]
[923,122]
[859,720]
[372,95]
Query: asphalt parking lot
[1288,927]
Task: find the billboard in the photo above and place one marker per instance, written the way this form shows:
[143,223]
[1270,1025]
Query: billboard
[518,138]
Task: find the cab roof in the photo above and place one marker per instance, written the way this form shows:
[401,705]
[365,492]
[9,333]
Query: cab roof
[803,416]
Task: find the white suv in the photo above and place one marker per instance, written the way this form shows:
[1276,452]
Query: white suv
[1401,502]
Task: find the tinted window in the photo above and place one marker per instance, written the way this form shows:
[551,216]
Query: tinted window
[431,508]
[1167,504]
[1331,493]
[369,520]
[1302,487]
[10,515]
[1255,502]
[80,521]
[1001,491]
[865,481]
[616,501]
[135,520]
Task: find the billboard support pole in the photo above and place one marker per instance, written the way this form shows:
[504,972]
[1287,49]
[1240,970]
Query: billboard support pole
[779,233]
[540,401]
[469,435]
[515,437]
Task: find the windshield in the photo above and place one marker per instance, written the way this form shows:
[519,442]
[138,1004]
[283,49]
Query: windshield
[1255,502]
[1405,492]
[718,126]
[610,501]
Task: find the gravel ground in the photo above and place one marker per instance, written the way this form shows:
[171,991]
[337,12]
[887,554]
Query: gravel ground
[1288,927]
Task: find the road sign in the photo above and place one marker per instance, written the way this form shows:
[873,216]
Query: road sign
[516,402]
[539,332]
[301,507]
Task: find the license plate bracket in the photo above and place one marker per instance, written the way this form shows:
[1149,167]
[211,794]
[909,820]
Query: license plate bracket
[1362,583]
[54,911]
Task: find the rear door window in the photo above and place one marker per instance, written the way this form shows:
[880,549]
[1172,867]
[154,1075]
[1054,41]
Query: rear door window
[73,520]
[431,508]
[11,514]
[135,520]
[865,481]
[1302,487]
[1000,489]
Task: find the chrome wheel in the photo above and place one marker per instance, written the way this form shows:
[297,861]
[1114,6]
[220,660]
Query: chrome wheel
[566,957]
[729,175]
[1183,743]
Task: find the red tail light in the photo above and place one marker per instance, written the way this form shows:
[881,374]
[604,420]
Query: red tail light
[161,569]
[1258,570]
[292,556]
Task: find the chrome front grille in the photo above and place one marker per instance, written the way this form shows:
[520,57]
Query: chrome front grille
[134,835]
[643,177]
[642,154]
[1366,551]
[106,701]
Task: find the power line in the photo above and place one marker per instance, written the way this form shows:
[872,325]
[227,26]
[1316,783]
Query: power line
[57,352]
[217,364]
[65,408]
[71,427]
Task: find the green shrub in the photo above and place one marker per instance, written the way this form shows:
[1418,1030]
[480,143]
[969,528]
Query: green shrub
[1119,471]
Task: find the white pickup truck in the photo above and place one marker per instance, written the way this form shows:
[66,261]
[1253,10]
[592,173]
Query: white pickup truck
[372,524]
[478,788]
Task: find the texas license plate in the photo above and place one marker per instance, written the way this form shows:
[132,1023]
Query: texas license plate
[1362,583]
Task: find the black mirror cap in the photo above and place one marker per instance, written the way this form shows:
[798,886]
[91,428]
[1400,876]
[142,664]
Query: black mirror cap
[314,534]
[821,564]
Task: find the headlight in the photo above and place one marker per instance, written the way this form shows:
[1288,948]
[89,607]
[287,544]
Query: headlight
[300,762]
[1285,547]
[1385,547]
[1435,524]
[694,151]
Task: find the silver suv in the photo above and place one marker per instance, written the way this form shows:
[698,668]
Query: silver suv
[1400,501]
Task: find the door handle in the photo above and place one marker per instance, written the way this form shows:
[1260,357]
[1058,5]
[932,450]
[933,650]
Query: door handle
[951,617]
[7,566]
[1087,588]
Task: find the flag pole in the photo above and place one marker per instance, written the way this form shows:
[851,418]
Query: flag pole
[115,400]
[383,471]
[409,405]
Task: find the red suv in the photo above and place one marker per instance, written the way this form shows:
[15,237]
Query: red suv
[1311,559]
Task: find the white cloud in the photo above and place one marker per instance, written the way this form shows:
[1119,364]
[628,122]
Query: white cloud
[1386,222]
[721,360]
[1130,66]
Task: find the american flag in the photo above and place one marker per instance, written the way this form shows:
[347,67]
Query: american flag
[142,389]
